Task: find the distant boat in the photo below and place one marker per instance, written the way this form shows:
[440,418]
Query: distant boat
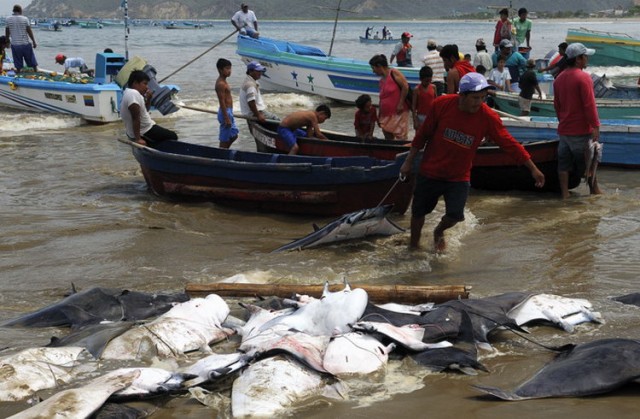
[90,25]
[364,40]
[184,25]
[51,27]
[612,49]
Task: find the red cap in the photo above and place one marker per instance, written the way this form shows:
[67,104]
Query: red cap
[59,58]
[406,35]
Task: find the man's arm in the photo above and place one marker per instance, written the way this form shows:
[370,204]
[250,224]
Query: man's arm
[452,81]
[30,33]
[537,175]
[134,108]
[254,109]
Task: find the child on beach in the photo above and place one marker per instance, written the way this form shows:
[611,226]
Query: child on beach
[302,124]
[500,76]
[365,119]
[228,129]
[423,96]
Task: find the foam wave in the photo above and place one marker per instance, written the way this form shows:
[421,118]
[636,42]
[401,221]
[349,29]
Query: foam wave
[17,122]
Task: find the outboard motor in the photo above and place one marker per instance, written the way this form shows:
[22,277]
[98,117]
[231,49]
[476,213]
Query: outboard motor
[161,99]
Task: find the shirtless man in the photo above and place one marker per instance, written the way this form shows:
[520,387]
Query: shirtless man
[303,124]
[228,129]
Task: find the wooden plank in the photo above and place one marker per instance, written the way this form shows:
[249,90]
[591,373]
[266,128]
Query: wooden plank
[406,294]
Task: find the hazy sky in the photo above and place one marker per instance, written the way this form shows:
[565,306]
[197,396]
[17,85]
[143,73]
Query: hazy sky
[6,6]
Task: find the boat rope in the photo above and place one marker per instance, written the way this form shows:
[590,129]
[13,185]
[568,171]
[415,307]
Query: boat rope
[199,56]
[401,178]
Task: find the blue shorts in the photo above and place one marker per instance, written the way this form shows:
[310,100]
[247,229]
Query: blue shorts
[428,191]
[227,133]
[571,152]
[289,137]
[23,52]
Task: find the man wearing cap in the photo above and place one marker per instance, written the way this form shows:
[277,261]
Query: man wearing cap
[432,59]
[251,103]
[456,68]
[245,21]
[454,129]
[18,31]
[578,122]
[514,61]
[402,51]
[482,56]
[70,63]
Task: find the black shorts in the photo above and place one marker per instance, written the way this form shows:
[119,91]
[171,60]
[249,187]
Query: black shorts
[158,133]
[428,191]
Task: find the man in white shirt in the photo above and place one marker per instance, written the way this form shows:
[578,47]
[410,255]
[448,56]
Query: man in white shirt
[433,60]
[482,56]
[251,103]
[76,62]
[134,111]
[18,31]
[245,21]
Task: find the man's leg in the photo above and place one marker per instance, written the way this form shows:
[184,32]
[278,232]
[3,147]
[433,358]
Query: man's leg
[563,178]
[416,231]
[439,242]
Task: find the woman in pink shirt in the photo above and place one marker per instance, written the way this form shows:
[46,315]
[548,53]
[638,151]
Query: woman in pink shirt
[393,117]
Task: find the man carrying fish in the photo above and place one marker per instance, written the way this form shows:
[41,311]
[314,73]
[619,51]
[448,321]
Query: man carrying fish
[452,132]
[578,122]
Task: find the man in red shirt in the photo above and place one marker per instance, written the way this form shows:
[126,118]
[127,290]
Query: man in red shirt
[456,68]
[578,122]
[452,132]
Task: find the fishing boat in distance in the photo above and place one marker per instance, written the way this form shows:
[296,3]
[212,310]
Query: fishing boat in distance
[378,41]
[326,186]
[300,68]
[612,49]
[493,169]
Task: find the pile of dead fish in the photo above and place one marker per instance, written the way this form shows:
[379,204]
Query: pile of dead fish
[287,351]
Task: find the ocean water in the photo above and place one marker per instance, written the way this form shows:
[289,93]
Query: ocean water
[75,209]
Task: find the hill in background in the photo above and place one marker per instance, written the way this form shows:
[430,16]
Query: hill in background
[295,9]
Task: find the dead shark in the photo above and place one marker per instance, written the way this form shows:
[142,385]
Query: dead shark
[355,225]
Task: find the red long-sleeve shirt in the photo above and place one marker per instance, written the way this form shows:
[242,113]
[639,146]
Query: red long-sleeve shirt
[453,136]
[575,102]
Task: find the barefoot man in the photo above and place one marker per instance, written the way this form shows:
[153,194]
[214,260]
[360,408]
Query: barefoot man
[228,128]
[303,124]
[452,132]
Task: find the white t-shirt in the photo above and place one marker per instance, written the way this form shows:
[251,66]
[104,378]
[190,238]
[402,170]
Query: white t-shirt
[129,97]
[76,62]
[245,20]
[249,91]
[500,77]
[433,60]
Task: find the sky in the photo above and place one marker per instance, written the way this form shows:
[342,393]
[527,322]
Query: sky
[6,6]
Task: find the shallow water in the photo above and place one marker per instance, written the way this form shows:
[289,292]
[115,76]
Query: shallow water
[75,209]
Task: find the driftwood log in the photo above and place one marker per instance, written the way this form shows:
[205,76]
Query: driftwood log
[405,294]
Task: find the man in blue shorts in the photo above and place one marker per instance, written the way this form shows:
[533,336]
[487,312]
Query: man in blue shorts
[18,31]
[302,123]
[228,129]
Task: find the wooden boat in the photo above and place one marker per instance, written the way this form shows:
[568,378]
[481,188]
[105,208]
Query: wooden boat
[621,138]
[492,168]
[95,99]
[378,41]
[294,67]
[339,145]
[604,88]
[327,186]
[612,48]
[607,108]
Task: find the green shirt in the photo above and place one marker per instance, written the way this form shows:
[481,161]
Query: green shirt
[521,29]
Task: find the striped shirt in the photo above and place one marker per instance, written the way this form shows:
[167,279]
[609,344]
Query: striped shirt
[18,25]
[433,60]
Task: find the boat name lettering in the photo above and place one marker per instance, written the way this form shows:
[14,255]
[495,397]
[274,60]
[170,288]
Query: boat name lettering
[458,137]
[264,139]
[53,96]
[70,98]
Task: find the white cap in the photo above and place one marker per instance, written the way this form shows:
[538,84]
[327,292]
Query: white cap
[577,49]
